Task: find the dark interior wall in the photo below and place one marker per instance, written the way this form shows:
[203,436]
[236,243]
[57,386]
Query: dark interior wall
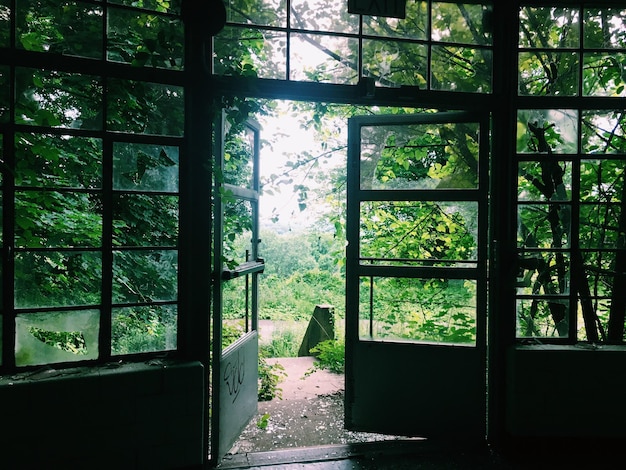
[566,392]
[131,416]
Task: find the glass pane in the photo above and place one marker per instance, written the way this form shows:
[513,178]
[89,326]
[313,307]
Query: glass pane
[420,156]
[325,59]
[599,226]
[59,27]
[544,225]
[395,63]
[440,310]
[414,26]
[541,318]
[239,149]
[57,279]
[543,274]
[5,94]
[547,130]
[58,161]
[258,12]
[145,220]
[163,6]
[237,232]
[145,167]
[602,180]
[49,337]
[545,180]
[58,99]
[549,27]
[403,232]
[145,276]
[548,73]
[323,15]
[604,132]
[143,39]
[605,28]
[5,23]
[461,69]
[236,309]
[51,219]
[145,108]
[600,275]
[143,329]
[460,23]
[602,74]
[250,52]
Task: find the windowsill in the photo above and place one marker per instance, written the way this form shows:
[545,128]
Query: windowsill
[571,347]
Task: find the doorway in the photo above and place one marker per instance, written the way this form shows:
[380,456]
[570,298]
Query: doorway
[305,176]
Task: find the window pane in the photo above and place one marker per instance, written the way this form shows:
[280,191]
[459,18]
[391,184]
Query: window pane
[603,74]
[237,297]
[145,167]
[402,232]
[250,52]
[323,15]
[460,23]
[461,69]
[258,12]
[145,220]
[599,226]
[548,73]
[605,28]
[602,180]
[541,318]
[237,232]
[49,337]
[5,23]
[326,59]
[425,156]
[144,39]
[239,153]
[544,225]
[604,132]
[58,99]
[58,161]
[59,27]
[145,108]
[57,279]
[440,310]
[143,329]
[163,6]
[395,63]
[414,26]
[549,27]
[547,130]
[145,276]
[54,219]
[544,180]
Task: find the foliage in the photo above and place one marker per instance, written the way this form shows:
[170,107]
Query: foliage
[330,355]
[270,375]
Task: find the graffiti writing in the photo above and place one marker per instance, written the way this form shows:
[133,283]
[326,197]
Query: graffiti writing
[234,375]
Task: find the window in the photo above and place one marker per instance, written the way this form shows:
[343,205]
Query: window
[571,154]
[90,152]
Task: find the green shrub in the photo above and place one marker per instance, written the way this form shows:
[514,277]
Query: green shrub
[330,355]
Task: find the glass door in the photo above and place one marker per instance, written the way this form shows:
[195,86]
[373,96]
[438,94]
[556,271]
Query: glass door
[416,274]
[236,269]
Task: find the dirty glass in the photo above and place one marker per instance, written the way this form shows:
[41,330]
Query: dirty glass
[145,108]
[59,27]
[465,69]
[145,276]
[395,63]
[549,27]
[145,220]
[305,14]
[548,73]
[604,28]
[257,12]
[547,130]
[46,160]
[58,99]
[311,61]
[57,278]
[432,310]
[48,337]
[414,26]
[420,156]
[418,233]
[143,39]
[52,219]
[141,329]
[604,131]
[145,167]
[460,23]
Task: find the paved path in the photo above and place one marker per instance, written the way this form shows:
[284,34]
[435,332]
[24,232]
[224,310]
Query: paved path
[298,385]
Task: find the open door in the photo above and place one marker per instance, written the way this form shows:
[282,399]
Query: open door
[416,275]
[235,296]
